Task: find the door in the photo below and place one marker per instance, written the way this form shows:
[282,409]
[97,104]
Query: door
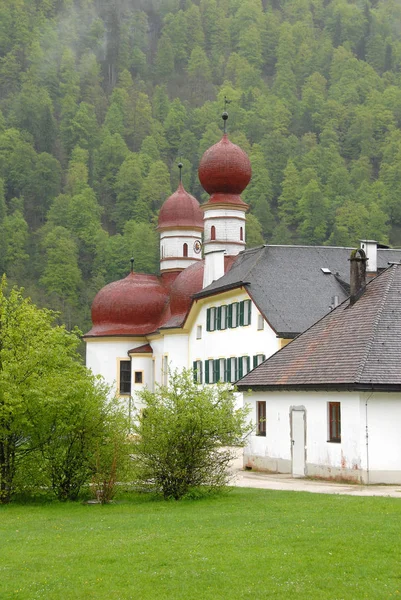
[298,441]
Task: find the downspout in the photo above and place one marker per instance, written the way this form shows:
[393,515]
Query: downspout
[367,437]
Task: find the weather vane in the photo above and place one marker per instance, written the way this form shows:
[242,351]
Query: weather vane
[180,165]
[132,263]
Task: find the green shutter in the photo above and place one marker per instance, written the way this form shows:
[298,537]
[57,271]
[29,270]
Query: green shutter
[216,371]
[229,315]
[208,319]
[228,369]
[200,372]
[241,313]
[207,371]
[218,318]
[248,364]
[195,369]
[249,311]
[255,361]
[240,370]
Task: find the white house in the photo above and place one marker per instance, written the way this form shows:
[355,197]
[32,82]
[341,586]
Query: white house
[329,403]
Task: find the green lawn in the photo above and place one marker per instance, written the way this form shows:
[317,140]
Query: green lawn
[244,544]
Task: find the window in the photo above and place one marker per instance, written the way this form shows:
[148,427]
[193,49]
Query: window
[261,418]
[245,308]
[125,377]
[233,315]
[198,375]
[213,233]
[232,369]
[138,376]
[244,366]
[241,234]
[219,370]
[222,317]
[211,318]
[199,332]
[334,422]
[185,250]
[261,322]
[209,370]
[165,370]
[259,358]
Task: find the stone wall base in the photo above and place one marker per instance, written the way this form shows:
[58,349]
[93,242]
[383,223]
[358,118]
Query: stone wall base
[269,464]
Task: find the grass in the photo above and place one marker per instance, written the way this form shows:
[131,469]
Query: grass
[244,544]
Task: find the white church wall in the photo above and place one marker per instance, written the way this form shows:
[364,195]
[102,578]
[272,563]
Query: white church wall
[236,342]
[103,355]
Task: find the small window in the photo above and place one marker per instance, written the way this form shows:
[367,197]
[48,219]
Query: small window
[199,332]
[165,370]
[261,322]
[185,250]
[259,358]
[213,233]
[241,234]
[261,418]
[125,377]
[334,409]
[198,375]
[138,376]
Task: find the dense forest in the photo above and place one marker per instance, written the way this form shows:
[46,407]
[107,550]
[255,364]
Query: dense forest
[99,100]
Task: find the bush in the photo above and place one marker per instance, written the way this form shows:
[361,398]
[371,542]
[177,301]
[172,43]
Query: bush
[185,435]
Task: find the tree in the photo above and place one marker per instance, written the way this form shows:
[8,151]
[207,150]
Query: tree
[50,404]
[184,436]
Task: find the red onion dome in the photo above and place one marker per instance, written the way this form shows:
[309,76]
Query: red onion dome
[188,282]
[130,306]
[224,168]
[181,210]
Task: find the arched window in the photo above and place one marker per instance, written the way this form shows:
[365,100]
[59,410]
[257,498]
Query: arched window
[213,233]
[241,234]
[185,250]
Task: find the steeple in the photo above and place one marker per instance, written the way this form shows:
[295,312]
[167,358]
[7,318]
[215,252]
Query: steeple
[224,172]
[180,225]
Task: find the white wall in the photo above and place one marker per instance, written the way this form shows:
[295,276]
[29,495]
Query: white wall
[102,355]
[241,341]
[323,458]
[382,454]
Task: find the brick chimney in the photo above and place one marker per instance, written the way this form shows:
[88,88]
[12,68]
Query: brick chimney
[357,274]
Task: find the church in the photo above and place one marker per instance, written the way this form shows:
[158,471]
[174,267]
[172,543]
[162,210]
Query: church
[215,307]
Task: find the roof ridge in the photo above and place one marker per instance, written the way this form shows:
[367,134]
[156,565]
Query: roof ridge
[376,322]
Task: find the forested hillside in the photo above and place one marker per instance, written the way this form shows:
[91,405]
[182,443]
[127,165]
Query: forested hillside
[100,99]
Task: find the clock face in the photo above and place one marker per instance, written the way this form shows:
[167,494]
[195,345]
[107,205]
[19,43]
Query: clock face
[197,246]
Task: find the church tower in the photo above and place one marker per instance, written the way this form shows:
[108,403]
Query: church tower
[180,225]
[224,172]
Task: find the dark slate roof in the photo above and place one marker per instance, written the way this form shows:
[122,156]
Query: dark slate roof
[353,347]
[288,285]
